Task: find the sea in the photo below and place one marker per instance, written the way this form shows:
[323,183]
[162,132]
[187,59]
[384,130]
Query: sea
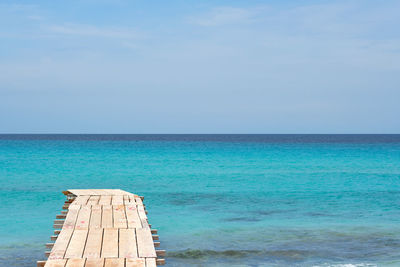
[217,200]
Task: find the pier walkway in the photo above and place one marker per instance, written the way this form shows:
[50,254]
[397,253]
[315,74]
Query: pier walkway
[103,227]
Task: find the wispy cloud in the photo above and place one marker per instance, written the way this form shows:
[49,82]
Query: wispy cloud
[225,15]
[93,31]
[35,17]
[267,64]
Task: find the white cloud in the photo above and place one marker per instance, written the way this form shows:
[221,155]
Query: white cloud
[93,31]
[262,64]
[225,15]
[35,17]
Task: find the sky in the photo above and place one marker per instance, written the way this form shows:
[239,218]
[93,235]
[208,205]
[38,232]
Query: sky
[115,66]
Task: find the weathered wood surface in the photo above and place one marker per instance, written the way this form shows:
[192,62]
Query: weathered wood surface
[102,227]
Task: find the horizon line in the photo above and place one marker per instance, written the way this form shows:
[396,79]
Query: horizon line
[199,133]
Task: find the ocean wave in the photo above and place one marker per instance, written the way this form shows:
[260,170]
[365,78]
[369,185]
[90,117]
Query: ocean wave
[347,265]
[202,254]
[242,219]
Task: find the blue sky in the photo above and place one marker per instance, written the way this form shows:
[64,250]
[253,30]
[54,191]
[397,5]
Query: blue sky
[199,66]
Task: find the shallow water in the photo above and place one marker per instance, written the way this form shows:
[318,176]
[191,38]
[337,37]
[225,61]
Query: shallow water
[217,200]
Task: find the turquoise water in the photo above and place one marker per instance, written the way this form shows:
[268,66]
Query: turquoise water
[217,200]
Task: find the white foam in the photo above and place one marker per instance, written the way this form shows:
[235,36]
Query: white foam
[347,265]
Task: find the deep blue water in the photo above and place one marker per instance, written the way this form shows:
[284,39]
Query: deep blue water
[217,200]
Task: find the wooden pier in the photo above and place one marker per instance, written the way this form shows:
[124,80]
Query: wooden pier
[103,227]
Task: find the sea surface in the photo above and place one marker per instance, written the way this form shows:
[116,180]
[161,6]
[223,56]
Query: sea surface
[217,200]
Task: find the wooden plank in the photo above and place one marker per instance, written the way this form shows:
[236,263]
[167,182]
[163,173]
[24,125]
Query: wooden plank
[121,192]
[105,200]
[151,262]
[61,244]
[107,217]
[145,243]
[75,263]
[93,200]
[135,263]
[55,263]
[126,199]
[110,192]
[103,192]
[138,201]
[132,199]
[93,243]
[72,215]
[57,226]
[119,216]
[77,244]
[82,222]
[142,216]
[132,216]
[78,192]
[142,213]
[94,263]
[114,262]
[97,192]
[110,243]
[106,192]
[117,200]
[95,218]
[87,192]
[160,261]
[81,200]
[127,243]
[160,253]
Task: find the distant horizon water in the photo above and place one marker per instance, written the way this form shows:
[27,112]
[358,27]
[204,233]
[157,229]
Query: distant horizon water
[217,199]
